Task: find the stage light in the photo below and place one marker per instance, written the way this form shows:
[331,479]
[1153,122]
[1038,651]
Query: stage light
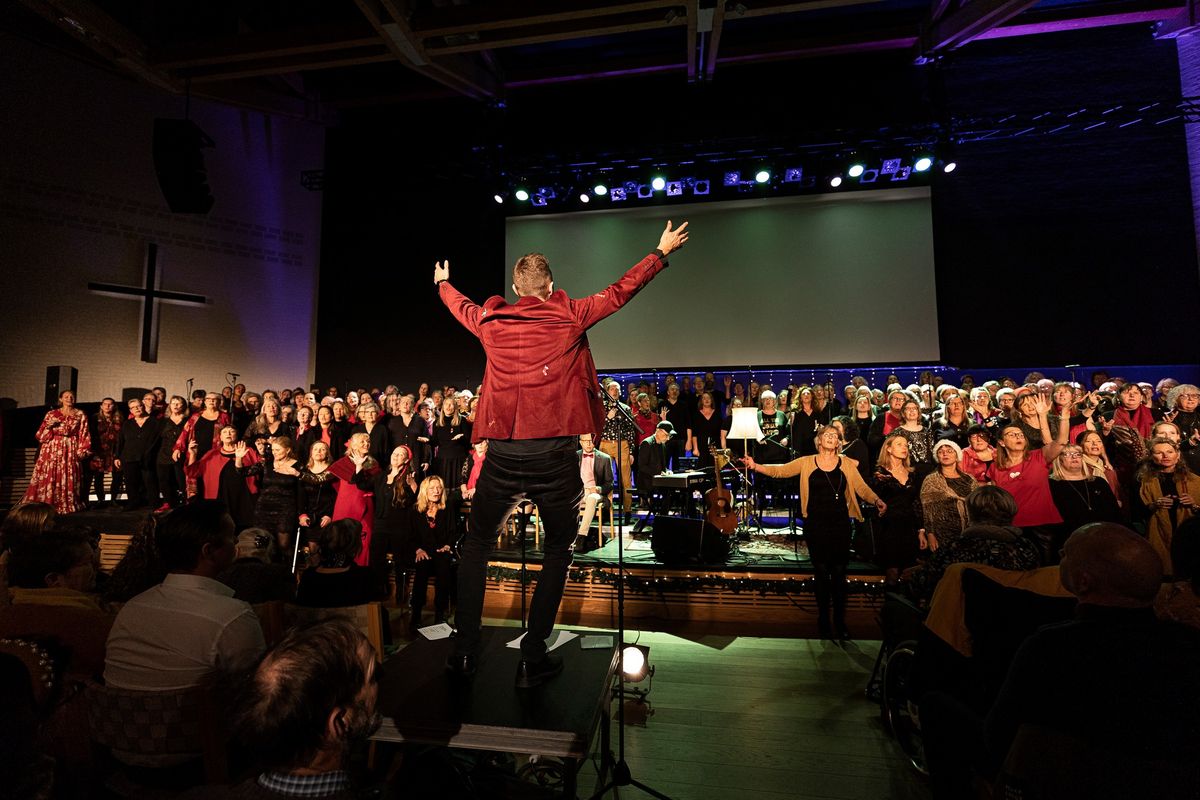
[499,198]
[584,197]
[701,187]
[644,190]
[890,166]
[600,189]
[762,176]
[674,188]
[923,164]
[540,199]
[617,194]
[521,195]
[793,175]
[950,166]
[856,170]
[733,178]
[658,183]
[635,663]
[835,181]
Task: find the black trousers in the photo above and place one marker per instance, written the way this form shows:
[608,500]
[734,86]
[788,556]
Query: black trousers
[546,472]
[441,566]
[171,483]
[141,484]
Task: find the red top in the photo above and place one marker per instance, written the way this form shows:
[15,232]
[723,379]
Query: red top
[1029,484]
[540,379]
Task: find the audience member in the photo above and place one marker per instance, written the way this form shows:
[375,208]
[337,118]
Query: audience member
[256,575]
[339,580]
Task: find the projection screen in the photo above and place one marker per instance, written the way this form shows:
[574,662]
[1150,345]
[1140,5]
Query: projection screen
[818,280]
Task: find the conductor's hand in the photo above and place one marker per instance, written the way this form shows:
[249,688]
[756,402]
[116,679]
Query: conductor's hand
[671,240]
[441,271]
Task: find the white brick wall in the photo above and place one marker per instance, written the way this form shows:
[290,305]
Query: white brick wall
[78,202]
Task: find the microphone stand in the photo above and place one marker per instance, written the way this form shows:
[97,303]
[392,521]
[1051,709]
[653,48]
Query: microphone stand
[621,775]
[791,505]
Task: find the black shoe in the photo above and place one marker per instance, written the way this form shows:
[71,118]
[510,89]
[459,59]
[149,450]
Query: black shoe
[535,673]
[460,666]
[824,629]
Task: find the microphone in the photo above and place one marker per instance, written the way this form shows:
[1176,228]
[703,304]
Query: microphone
[234,374]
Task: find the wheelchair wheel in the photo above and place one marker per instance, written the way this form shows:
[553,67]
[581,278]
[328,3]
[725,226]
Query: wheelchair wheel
[897,706]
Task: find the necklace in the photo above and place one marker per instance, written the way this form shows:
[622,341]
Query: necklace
[837,490]
[1084,495]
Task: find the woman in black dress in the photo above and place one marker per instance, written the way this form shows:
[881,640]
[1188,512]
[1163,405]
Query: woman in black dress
[434,520]
[706,429]
[452,437]
[338,581]
[852,446]
[171,482]
[676,410]
[830,489]
[267,425]
[317,495]
[863,415]
[278,491]
[805,422]
[1079,497]
[395,496]
[896,481]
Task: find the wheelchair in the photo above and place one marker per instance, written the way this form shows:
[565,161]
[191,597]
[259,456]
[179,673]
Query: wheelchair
[889,685]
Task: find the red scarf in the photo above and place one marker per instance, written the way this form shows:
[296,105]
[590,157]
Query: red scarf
[1141,420]
[891,422]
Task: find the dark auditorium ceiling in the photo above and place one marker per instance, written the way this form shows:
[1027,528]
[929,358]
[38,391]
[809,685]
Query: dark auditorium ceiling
[314,58]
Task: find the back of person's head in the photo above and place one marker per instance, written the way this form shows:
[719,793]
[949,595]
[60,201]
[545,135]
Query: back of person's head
[24,522]
[1104,563]
[1185,552]
[340,542]
[308,694]
[991,505]
[183,533]
[256,543]
[48,559]
[532,276]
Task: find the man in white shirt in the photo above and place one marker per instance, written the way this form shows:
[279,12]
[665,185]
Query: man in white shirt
[596,470]
[176,634]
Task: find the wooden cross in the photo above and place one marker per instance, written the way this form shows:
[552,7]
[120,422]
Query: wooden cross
[151,294]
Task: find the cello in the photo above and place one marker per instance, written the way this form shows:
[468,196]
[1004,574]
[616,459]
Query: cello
[718,500]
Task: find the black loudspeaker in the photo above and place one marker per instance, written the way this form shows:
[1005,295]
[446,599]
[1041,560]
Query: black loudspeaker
[681,540]
[59,380]
[179,163]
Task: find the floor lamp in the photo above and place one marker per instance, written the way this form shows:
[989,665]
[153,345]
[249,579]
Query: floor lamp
[745,427]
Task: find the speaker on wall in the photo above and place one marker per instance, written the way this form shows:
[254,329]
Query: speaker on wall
[59,380]
[179,163]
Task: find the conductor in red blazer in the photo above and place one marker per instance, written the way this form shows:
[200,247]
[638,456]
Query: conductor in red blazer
[539,394]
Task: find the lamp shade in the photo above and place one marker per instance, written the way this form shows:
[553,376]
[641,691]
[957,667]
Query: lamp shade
[745,425]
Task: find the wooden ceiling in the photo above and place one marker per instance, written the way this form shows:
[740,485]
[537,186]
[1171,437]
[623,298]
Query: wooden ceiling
[310,58]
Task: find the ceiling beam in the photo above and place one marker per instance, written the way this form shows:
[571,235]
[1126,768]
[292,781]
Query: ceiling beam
[758,8]
[261,46]
[465,20]
[390,22]
[375,54]
[1078,23]
[714,40]
[554,33]
[969,22]
[693,14]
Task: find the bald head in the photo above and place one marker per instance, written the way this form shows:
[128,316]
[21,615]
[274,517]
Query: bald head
[1107,564]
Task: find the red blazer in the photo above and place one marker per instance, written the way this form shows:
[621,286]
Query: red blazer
[540,380]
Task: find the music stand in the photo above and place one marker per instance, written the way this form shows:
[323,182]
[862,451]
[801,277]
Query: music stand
[745,426]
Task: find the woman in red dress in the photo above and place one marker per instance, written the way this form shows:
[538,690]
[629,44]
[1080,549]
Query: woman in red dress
[355,473]
[58,472]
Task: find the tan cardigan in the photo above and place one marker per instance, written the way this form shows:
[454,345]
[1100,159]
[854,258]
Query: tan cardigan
[804,467]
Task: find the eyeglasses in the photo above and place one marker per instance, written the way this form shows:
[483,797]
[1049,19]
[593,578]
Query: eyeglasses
[1072,454]
[1191,396]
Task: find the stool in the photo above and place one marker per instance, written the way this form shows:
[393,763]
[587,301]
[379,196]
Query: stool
[608,507]
[510,525]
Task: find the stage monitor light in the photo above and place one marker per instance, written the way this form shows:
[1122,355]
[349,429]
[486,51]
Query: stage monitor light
[522,195]
[584,197]
[617,194]
[856,170]
[835,181]
[762,176]
[645,190]
[499,198]
[950,166]
[903,174]
[674,188]
[635,663]
[600,189]
[793,175]
[923,164]
[890,166]
[869,176]
[701,187]
[733,178]
[658,183]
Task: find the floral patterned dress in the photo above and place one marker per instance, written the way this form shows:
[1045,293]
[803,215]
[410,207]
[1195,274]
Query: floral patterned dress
[58,471]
